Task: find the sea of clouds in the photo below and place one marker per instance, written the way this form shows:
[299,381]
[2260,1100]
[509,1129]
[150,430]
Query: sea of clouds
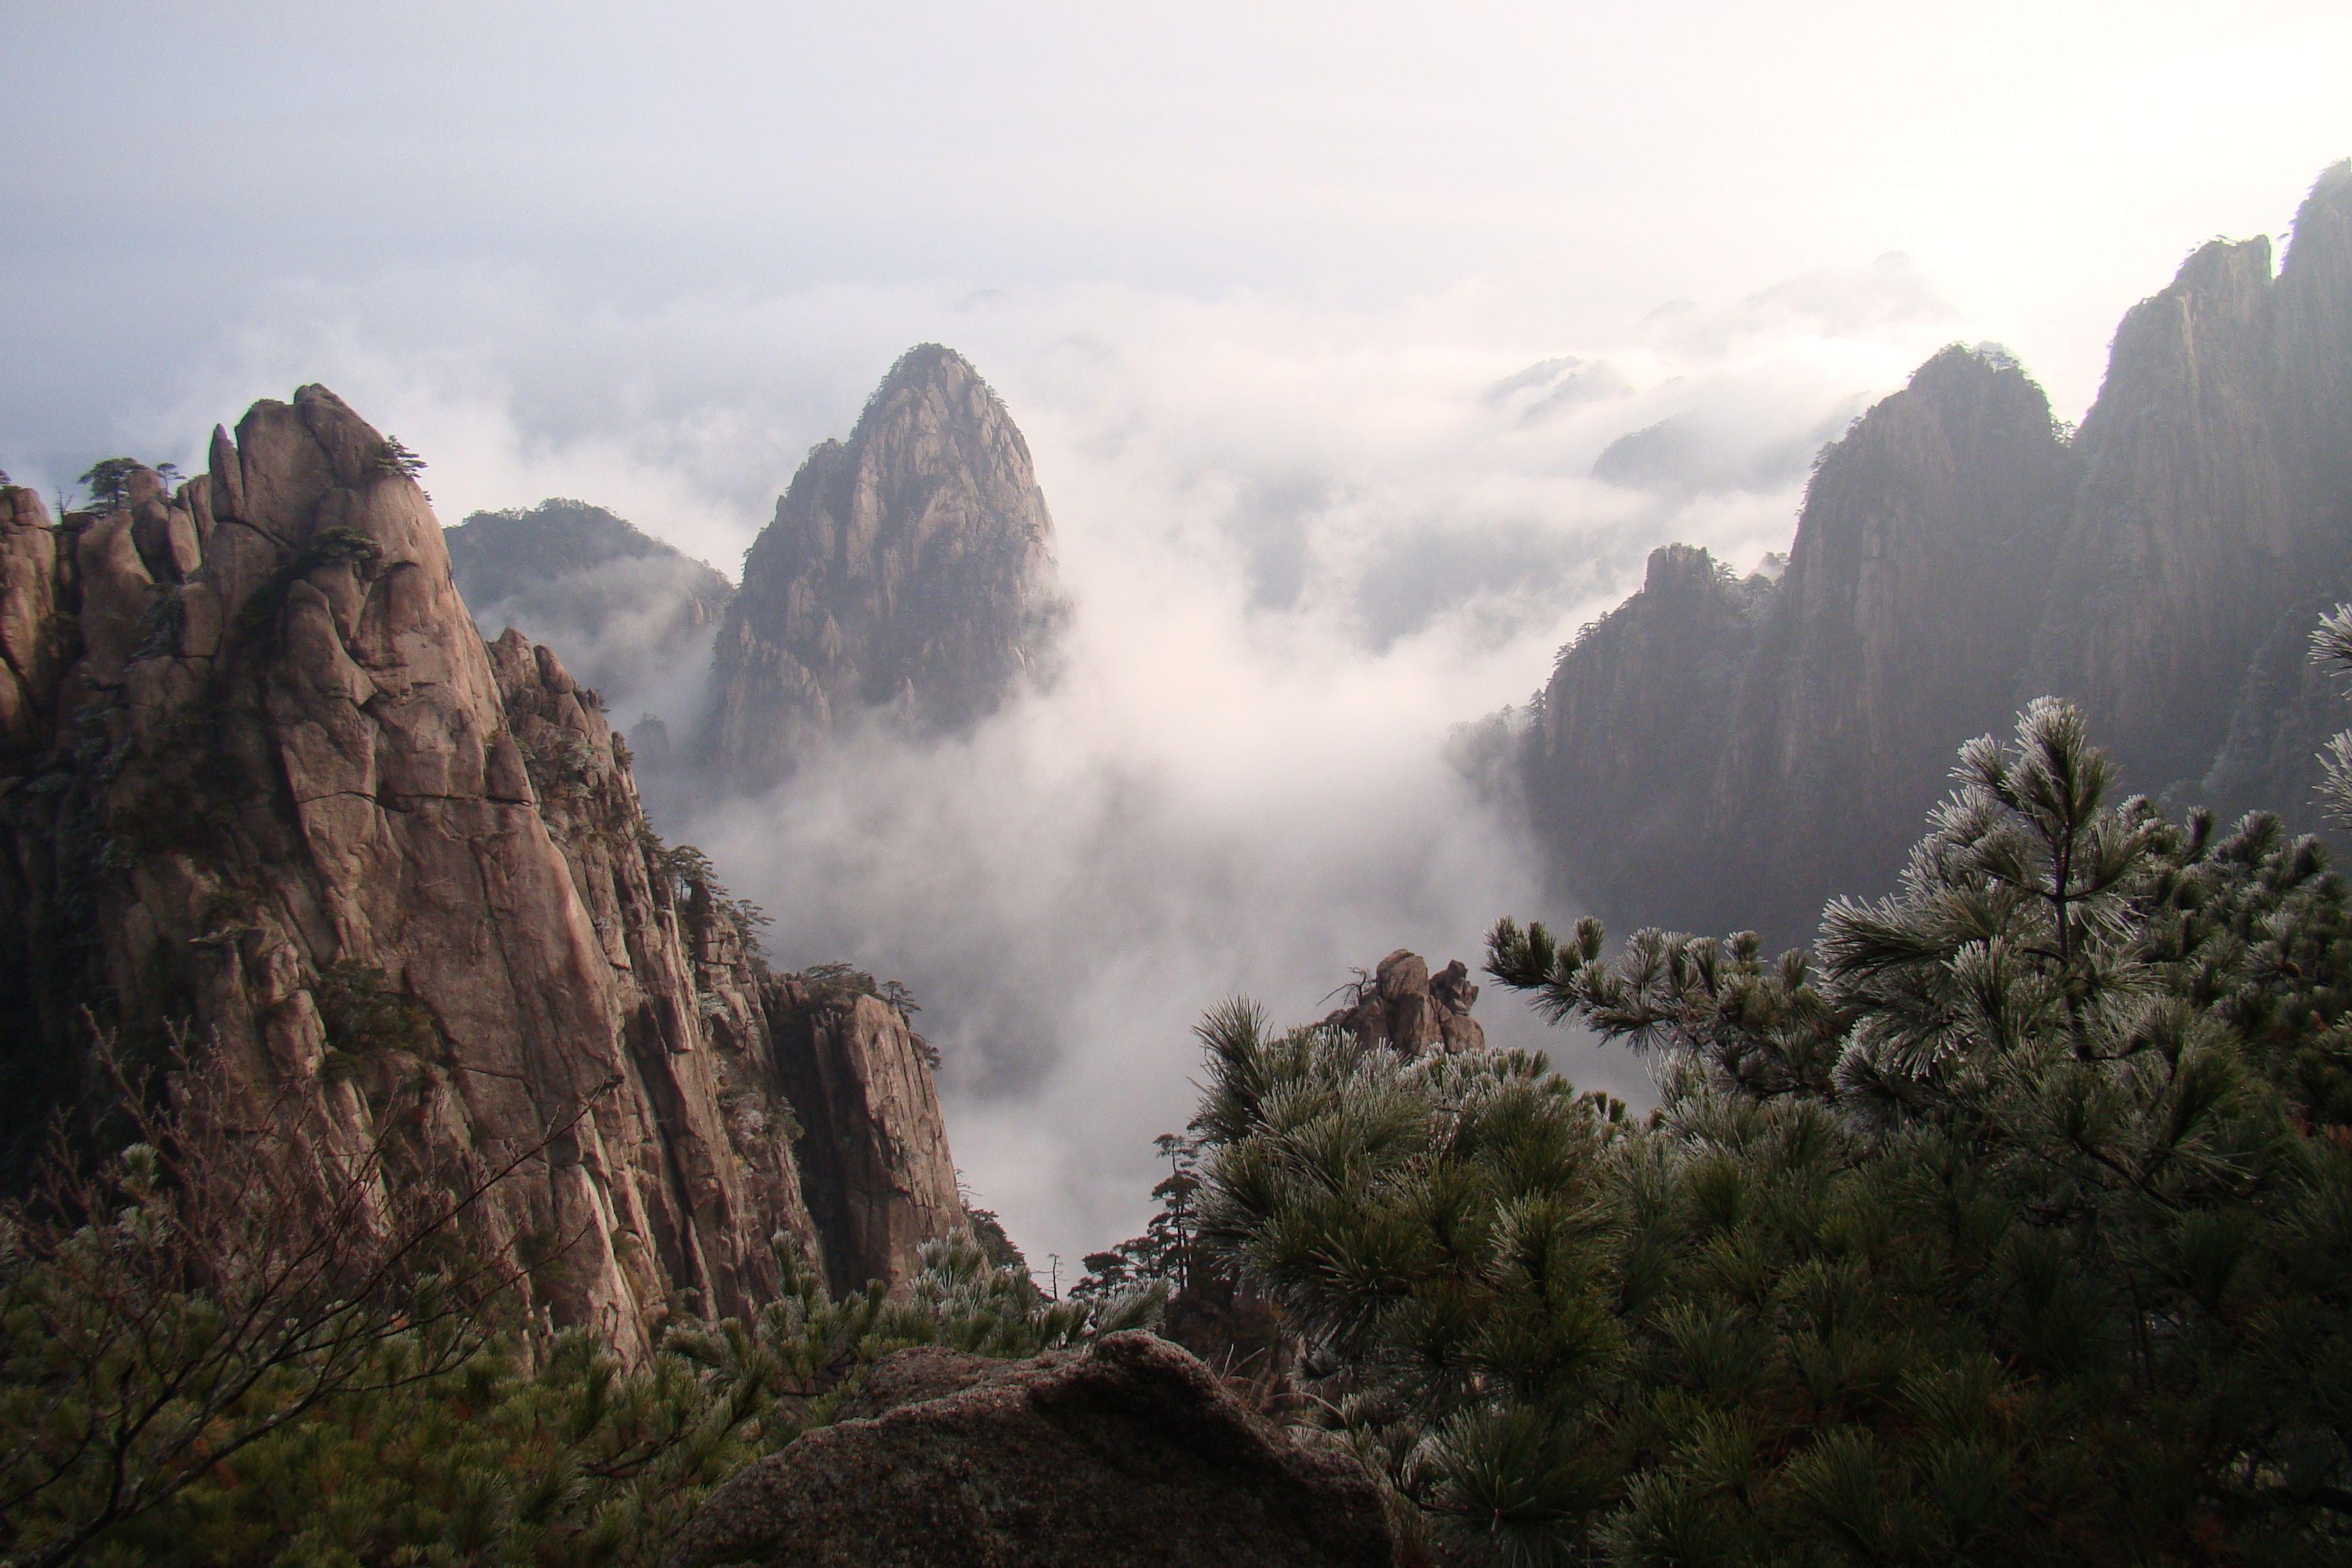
[1304,544]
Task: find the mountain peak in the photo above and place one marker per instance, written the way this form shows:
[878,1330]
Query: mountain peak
[907,576]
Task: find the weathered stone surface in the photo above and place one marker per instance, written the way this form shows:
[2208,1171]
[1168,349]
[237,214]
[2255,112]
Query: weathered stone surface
[1127,1453]
[30,627]
[263,762]
[907,576]
[1409,1010]
[880,1180]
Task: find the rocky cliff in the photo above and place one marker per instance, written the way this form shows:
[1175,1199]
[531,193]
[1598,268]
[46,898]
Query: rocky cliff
[907,576]
[1913,584]
[881,1182]
[266,791]
[2182,532]
[1619,764]
[1717,754]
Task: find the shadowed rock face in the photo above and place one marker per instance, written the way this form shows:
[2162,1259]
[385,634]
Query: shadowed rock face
[908,576]
[258,760]
[2183,532]
[1619,764]
[1912,592]
[1717,755]
[881,1179]
[1127,1453]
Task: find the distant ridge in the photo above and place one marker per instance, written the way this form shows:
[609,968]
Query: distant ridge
[1718,754]
[629,612]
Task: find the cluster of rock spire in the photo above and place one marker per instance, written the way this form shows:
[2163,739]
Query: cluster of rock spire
[1722,752]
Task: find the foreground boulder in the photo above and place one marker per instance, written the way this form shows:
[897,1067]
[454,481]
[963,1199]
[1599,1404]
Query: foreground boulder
[1128,1452]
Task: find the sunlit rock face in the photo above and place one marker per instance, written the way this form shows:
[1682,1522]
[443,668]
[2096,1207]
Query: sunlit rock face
[1719,755]
[265,787]
[907,578]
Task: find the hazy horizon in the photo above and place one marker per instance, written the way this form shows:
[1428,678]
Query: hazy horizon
[1281,303]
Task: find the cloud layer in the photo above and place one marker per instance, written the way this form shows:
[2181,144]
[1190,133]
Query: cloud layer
[1306,538]
[1303,545]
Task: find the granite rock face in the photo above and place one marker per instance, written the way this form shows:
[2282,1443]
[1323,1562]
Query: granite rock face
[881,1179]
[1718,754]
[266,787]
[1403,1006]
[908,577]
[1126,1453]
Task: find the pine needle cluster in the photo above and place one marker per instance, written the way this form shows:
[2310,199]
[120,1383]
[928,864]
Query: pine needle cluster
[2011,1225]
[208,1356]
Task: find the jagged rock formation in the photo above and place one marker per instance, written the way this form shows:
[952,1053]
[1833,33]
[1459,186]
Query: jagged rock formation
[909,575]
[2183,532]
[1896,631]
[1403,1006]
[1129,1452]
[1617,762]
[881,1182]
[635,618]
[267,788]
[1718,753]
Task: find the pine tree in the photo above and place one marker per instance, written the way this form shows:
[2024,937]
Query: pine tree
[1166,1252]
[2013,1224]
[108,481]
[204,1361]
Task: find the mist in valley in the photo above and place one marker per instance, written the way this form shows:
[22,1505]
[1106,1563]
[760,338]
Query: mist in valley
[1341,444]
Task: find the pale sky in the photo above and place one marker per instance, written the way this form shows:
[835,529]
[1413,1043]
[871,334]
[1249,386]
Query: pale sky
[1253,280]
[171,168]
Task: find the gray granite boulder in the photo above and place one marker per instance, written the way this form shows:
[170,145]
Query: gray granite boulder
[1129,1452]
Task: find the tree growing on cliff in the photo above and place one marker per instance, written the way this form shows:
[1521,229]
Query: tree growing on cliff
[231,1272]
[1165,1252]
[106,482]
[2010,1224]
[207,1355]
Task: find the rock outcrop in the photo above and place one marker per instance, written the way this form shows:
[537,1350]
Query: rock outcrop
[1129,1452]
[907,576]
[881,1179]
[1401,1005]
[1718,754]
[266,790]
